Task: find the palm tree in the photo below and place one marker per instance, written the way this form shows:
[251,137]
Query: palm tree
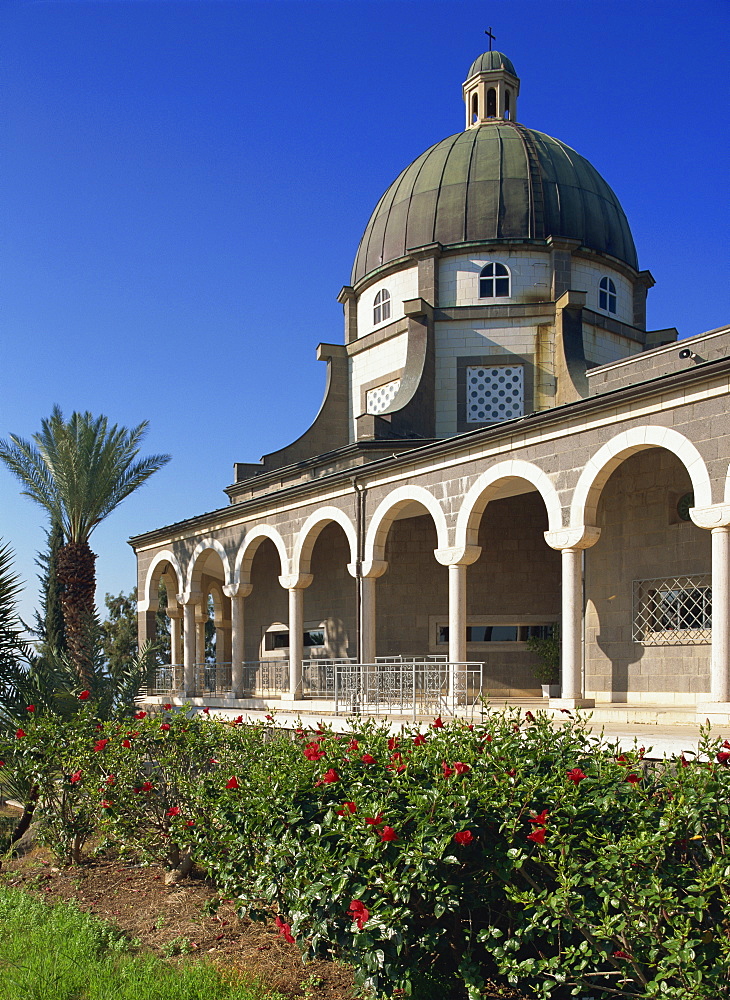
[79,471]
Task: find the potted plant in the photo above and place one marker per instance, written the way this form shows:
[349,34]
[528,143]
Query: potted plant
[547,670]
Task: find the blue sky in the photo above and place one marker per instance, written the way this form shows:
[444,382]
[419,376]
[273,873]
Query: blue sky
[184,186]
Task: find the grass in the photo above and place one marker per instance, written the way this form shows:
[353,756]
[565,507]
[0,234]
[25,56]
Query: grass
[58,952]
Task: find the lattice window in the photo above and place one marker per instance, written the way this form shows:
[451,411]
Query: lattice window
[674,611]
[380,398]
[494,392]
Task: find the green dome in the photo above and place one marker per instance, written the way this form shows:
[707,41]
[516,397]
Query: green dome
[498,182]
[491,60]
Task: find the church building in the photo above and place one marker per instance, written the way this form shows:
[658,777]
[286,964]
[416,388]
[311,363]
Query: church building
[504,453]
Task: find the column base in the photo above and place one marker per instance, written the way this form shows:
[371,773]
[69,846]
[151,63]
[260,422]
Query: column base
[571,703]
[716,712]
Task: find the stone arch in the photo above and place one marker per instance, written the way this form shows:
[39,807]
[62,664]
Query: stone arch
[157,569]
[194,572]
[486,486]
[247,550]
[599,467]
[310,531]
[386,512]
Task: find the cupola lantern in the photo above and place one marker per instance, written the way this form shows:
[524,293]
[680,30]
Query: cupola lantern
[491,89]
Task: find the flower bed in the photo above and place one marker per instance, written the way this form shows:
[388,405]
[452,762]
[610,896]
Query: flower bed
[511,848]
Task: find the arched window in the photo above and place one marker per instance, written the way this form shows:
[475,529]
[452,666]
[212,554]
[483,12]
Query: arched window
[381,306]
[607,295]
[494,281]
[474,107]
[506,105]
[491,103]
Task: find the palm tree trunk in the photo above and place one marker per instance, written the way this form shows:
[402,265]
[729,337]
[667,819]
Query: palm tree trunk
[77,575]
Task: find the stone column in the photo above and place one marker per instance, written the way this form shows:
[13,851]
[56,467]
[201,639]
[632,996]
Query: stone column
[175,616]
[296,586]
[368,640]
[201,620]
[457,559]
[237,639]
[716,518]
[571,542]
[189,648]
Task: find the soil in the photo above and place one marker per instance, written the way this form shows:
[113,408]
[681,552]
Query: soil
[169,917]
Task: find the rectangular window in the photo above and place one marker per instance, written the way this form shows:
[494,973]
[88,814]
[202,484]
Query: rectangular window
[497,633]
[494,392]
[673,611]
[280,640]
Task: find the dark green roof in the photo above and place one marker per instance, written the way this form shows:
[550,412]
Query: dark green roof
[491,60]
[498,182]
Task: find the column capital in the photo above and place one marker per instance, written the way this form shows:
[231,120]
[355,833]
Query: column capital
[190,597]
[717,515]
[580,537]
[458,555]
[295,581]
[176,612]
[242,590]
[373,567]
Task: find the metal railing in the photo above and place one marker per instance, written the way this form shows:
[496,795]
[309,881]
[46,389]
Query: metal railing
[264,679]
[409,687]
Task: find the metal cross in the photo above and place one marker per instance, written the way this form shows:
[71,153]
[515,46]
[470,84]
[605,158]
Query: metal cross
[491,37]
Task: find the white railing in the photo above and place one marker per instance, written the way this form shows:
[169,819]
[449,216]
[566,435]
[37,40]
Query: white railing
[264,679]
[319,677]
[166,679]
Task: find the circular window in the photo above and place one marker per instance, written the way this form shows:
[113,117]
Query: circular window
[683,505]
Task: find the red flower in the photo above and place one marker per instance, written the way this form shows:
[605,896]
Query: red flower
[359,913]
[529,717]
[537,835]
[173,811]
[464,837]
[75,778]
[621,954]
[347,807]
[575,775]
[167,706]
[329,777]
[2,763]
[106,804]
[189,822]
[85,695]
[238,721]
[126,744]
[726,744]
[634,779]
[140,715]
[232,782]
[284,930]
[19,734]
[269,718]
[111,780]
[206,710]
[461,768]
[100,745]
[147,786]
[312,751]
[367,758]
[353,746]
[418,740]
[214,760]
[393,743]
[437,723]
[165,726]
[723,757]
[448,771]
[540,818]
[388,833]
[30,708]
[621,759]
[511,773]
[374,820]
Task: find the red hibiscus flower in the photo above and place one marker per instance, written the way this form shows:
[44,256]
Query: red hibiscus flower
[147,786]
[214,760]
[387,834]
[85,695]
[374,820]
[312,751]
[437,723]
[575,775]
[418,740]
[165,726]
[461,768]
[540,818]
[106,804]
[189,822]
[353,746]
[238,721]
[726,744]
[75,778]
[723,756]
[284,930]
[111,780]
[633,779]
[232,782]
[621,759]
[126,744]
[529,717]
[30,708]
[537,835]
[19,734]
[464,837]
[167,706]
[329,777]
[347,807]
[622,954]
[269,718]
[100,745]
[447,771]
[511,773]
[2,763]
[359,913]
[173,811]
[393,743]
[488,738]
[367,758]
[140,715]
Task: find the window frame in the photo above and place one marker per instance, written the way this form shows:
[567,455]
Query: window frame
[607,295]
[381,307]
[491,277]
